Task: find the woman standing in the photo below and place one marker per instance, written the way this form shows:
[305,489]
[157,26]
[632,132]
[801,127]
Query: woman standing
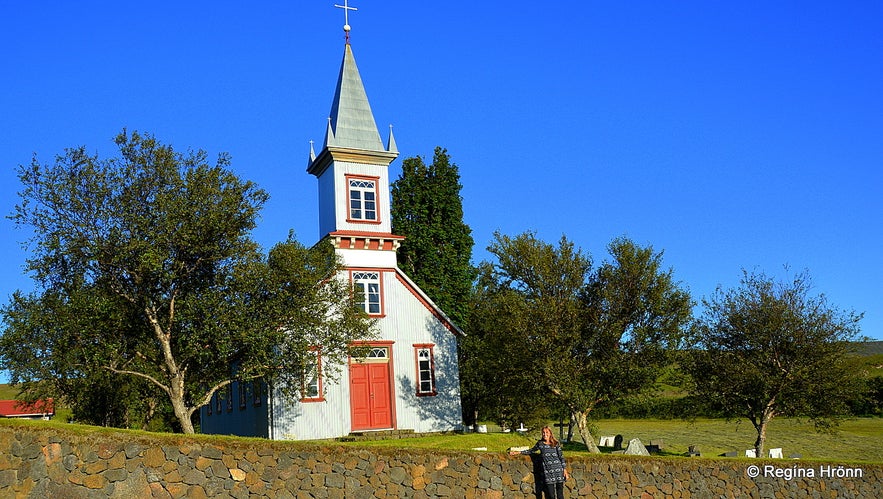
[553,465]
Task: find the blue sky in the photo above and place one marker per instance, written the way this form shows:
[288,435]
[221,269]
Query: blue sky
[729,135]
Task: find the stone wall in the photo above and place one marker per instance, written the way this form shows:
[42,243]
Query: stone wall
[48,462]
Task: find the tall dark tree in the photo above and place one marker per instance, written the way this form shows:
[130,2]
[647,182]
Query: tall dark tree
[428,210]
[771,348]
[145,268]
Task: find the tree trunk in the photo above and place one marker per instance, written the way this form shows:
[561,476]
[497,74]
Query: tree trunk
[151,410]
[183,414]
[570,429]
[176,390]
[761,439]
[582,426]
[759,444]
[182,411]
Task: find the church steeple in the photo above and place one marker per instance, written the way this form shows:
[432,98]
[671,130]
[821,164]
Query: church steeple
[353,172]
[351,124]
[351,117]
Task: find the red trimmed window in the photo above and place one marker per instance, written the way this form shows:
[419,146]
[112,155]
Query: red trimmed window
[369,296]
[362,196]
[425,359]
[311,388]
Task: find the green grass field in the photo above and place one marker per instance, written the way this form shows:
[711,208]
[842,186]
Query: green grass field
[859,439]
[855,440]
[7,392]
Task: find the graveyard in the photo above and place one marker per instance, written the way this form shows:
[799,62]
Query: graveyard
[856,440]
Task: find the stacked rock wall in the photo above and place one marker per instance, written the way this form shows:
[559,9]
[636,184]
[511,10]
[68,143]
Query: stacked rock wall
[39,463]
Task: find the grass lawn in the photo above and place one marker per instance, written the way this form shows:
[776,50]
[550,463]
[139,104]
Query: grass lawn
[7,392]
[855,440]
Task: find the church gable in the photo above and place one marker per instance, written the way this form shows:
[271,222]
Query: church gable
[409,377]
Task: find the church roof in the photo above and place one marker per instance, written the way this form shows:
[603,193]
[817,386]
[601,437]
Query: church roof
[352,122]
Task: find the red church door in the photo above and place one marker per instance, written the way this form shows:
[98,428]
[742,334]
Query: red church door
[370,391]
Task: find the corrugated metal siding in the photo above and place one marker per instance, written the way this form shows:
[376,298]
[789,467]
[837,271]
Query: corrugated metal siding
[248,421]
[342,169]
[327,215]
[296,420]
[409,322]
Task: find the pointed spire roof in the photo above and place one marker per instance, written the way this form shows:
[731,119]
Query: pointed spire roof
[391,143]
[352,121]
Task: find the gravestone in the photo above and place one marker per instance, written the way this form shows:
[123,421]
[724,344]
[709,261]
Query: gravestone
[606,441]
[693,451]
[776,453]
[636,448]
[617,442]
[751,453]
[731,453]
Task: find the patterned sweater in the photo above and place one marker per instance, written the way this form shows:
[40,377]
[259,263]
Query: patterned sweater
[552,461]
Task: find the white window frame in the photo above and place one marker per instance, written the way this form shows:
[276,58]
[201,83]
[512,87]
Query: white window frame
[312,386]
[362,199]
[424,358]
[369,291]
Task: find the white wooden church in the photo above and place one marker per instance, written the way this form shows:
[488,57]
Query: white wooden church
[409,379]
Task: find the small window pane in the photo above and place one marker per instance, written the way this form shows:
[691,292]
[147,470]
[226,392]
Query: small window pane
[366,285]
[425,375]
[362,194]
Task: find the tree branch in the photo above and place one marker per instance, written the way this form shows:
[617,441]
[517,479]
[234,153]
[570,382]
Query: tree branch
[140,375]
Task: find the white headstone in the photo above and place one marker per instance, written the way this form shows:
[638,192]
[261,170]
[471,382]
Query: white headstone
[606,441]
[636,448]
[751,453]
[482,428]
[776,453]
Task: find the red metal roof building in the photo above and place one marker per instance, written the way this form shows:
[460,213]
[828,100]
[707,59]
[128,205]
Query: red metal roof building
[41,409]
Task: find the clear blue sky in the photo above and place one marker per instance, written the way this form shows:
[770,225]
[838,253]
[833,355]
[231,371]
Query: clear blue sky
[729,135]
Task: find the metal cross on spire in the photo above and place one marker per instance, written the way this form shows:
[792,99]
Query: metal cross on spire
[346,17]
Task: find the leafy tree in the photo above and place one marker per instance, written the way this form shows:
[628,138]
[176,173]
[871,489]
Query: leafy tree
[635,318]
[427,209]
[35,344]
[146,268]
[770,348]
[496,365]
[583,337]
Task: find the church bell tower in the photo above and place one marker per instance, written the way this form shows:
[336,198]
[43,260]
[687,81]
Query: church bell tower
[353,173]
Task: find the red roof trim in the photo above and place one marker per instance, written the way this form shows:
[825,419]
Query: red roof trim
[359,233]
